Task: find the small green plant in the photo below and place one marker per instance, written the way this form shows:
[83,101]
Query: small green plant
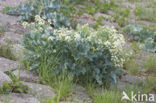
[6,9]
[150,64]
[105,7]
[121,21]
[135,47]
[54,100]
[138,11]
[98,22]
[5,51]
[15,86]
[90,9]
[1,30]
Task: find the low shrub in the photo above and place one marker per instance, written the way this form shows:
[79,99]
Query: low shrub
[49,9]
[149,45]
[138,32]
[85,53]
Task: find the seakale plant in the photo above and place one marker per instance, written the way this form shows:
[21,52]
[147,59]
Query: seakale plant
[87,54]
[149,45]
[138,32]
[48,9]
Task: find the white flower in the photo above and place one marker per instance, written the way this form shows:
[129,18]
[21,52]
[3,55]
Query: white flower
[77,36]
[37,18]
[107,43]
[41,22]
[54,51]
[49,21]
[51,38]
[25,24]
[68,38]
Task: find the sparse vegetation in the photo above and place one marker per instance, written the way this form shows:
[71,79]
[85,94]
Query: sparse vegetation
[62,82]
[107,97]
[132,67]
[150,64]
[5,51]
[150,85]
[98,22]
[100,95]
[15,86]
[1,30]
[145,13]
[121,15]
[6,9]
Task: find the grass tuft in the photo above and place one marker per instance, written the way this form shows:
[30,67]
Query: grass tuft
[5,51]
[132,66]
[150,64]
[6,9]
[63,83]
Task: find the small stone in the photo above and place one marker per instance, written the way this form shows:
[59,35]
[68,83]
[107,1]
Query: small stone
[42,92]
[17,50]
[7,19]
[11,37]
[79,95]
[85,19]
[132,79]
[107,23]
[19,98]
[6,64]
[1,102]
[26,75]
[101,14]
[4,78]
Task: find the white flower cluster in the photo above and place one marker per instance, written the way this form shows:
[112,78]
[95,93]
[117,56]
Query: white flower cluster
[25,24]
[66,34]
[115,42]
[109,37]
[38,25]
[39,20]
